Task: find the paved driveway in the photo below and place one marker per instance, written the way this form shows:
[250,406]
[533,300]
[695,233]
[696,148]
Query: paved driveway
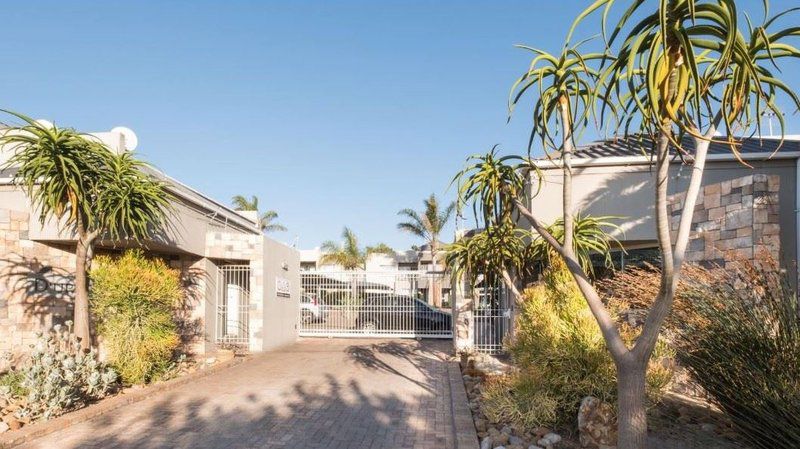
[322,393]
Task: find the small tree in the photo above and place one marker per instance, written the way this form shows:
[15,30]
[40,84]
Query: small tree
[428,225]
[266,220]
[90,190]
[349,254]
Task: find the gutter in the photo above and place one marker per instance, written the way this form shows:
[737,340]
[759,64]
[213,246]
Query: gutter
[646,160]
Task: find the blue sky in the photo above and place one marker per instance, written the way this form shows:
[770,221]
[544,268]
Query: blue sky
[333,113]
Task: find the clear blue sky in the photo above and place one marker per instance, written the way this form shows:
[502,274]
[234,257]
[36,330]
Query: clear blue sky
[333,113]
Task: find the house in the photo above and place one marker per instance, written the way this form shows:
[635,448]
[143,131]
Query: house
[746,204]
[242,288]
[382,268]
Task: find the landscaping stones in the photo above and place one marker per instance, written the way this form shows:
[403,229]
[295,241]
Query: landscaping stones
[597,424]
[549,440]
[486,443]
[4,427]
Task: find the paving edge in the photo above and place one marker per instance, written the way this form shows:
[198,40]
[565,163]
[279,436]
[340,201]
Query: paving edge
[40,429]
[461,420]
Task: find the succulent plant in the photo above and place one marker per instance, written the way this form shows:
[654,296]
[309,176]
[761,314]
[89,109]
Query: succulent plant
[59,376]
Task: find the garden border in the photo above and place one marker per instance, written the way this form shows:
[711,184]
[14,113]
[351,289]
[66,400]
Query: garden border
[40,429]
[463,427]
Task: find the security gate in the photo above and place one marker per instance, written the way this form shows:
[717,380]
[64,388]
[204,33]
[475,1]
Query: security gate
[403,304]
[492,319]
[233,305]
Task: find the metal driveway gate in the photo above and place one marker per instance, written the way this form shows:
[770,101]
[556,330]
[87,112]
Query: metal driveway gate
[233,305]
[375,304]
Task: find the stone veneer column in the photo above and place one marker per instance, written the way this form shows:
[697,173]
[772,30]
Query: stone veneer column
[463,316]
[733,220]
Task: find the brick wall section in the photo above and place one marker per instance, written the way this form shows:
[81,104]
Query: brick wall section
[733,219]
[24,308]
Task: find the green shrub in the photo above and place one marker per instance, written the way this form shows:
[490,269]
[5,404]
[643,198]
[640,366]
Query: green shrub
[562,358]
[743,348]
[11,381]
[133,299]
[59,376]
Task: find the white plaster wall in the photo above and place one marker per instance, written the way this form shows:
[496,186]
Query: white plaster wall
[279,313]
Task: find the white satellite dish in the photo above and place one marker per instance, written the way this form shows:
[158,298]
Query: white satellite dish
[130,137]
[44,123]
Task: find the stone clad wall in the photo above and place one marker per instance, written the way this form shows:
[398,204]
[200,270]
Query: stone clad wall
[246,248]
[734,219]
[36,283]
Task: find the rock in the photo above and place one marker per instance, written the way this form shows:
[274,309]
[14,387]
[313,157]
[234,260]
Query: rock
[515,441]
[486,443]
[481,425]
[549,440]
[533,446]
[502,438]
[13,424]
[540,432]
[499,447]
[597,423]
[211,360]
[4,427]
[515,446]
[506,429]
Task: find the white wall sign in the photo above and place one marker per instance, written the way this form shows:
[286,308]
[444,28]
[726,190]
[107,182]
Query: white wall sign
[283,287]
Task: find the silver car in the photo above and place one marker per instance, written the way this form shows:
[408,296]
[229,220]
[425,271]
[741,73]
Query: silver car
[311,310]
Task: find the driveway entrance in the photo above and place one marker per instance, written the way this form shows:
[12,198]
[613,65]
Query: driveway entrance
[331,394]
[375,304]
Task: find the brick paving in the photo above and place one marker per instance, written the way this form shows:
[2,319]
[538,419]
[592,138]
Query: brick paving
[333,394]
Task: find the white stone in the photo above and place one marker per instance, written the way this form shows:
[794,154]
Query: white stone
[4,427]
[486,443]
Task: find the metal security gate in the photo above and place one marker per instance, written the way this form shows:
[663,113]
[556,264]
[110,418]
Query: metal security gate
[403,304]
[233,305]
[492,320]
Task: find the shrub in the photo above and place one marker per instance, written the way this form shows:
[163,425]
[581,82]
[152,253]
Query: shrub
[743,347]
[11,382]
[60,376]
[133,300]
[562,358]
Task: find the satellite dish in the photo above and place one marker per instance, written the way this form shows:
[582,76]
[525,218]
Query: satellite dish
[44,123]
[130,137]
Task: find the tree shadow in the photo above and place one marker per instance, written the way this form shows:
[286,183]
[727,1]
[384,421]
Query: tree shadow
[413,352]
[311,415]
[39,287]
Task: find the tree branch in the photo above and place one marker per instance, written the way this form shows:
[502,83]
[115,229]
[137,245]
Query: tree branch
[673,260]
[607,325]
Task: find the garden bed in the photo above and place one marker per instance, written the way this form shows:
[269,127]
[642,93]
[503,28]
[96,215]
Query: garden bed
[679,422]
[23,431]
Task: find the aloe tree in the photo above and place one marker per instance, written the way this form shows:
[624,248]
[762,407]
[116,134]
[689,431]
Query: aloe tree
[349,255]
[428,225]
[685,68]
[266,220]
[88,189]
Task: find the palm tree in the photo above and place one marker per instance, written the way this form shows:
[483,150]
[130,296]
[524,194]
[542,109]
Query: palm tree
[349,255]
[265,220]
[87,187]
[428,225]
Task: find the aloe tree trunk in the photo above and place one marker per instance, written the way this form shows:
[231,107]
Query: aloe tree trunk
[84,252]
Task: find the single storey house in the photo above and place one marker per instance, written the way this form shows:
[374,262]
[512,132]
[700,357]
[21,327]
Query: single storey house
[746,205]
[242,288]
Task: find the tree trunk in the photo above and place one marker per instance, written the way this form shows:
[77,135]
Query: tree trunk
[632,413]
[81,309]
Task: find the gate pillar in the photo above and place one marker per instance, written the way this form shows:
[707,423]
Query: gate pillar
[463,315]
